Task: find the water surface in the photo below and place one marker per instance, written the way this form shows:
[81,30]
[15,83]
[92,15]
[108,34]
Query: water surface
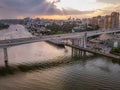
[90,73]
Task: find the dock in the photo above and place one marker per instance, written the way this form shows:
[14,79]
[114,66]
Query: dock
[94,51]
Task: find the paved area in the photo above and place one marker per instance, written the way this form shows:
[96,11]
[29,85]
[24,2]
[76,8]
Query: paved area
[14,32]
[99,47]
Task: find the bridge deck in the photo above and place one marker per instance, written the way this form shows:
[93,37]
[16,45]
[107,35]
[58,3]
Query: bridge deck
[14,42]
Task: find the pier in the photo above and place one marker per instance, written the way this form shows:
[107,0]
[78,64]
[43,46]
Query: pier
[80,47]
[5,56]
[94,51]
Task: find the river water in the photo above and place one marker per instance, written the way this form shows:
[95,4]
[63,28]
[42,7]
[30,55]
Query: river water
[90,73]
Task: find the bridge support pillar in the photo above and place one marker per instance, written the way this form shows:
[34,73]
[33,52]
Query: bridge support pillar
[79,42]
[85,40]
[5,57]
[114,33]
[84,53]
[73,42]
[66,41]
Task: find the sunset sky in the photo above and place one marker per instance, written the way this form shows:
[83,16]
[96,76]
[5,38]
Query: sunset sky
[56,9]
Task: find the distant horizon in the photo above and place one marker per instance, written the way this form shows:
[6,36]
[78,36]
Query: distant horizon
[57,9]
[53,18]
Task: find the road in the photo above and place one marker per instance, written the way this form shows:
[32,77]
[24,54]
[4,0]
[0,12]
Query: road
[19,41]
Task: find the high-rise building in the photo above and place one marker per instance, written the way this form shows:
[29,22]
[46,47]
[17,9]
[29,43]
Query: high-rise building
[94,21]
[101,21]
[107,22]
[104,22]
[114,20]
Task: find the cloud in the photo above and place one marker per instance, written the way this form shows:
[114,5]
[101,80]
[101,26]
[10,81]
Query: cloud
[109,1]
[15,8]
[107,10]
[71,11]
[56,1]
[27,7]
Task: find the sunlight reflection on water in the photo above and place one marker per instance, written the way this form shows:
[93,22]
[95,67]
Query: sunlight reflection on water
[91,73]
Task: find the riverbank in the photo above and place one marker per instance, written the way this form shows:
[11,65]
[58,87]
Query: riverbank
[115,51]
[3,26]
[14,32]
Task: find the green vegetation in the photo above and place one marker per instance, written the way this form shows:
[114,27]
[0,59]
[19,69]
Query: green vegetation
[59,29]
[116,50]
[3,26]
[54,28]
[67,28]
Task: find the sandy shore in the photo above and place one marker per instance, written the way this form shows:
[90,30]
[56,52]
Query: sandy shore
[13,32]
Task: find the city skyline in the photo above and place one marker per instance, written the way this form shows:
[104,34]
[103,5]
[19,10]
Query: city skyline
[56,9]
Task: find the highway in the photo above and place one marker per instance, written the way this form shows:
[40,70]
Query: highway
[19,41]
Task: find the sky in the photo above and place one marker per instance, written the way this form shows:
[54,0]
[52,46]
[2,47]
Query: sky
[56,9]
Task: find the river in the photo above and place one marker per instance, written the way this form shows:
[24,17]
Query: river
[90,73]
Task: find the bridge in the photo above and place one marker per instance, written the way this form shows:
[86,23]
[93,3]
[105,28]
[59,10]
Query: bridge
[14,42]
[81,35]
